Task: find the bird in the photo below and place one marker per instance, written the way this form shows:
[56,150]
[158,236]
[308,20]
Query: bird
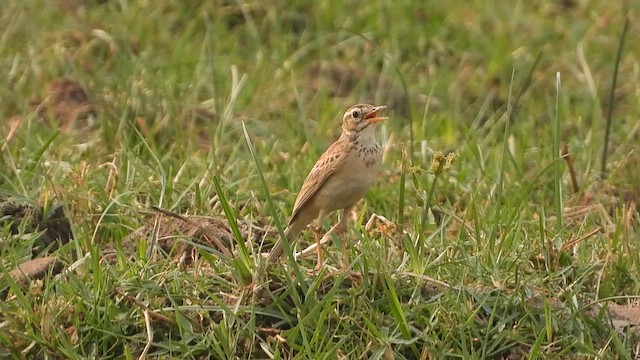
[338,180]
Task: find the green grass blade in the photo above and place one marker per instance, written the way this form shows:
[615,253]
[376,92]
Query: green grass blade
[272,207]
[243,263]
[557,172]
[612,102]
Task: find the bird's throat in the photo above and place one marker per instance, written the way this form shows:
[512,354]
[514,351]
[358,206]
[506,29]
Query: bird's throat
[351,135]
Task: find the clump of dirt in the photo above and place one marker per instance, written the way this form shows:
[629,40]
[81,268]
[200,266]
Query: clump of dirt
[611,196]
[169,228]
[620,189]
[67,105]
[35,269]
[55,226]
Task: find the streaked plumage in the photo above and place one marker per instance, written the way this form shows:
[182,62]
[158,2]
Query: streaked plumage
[340,178]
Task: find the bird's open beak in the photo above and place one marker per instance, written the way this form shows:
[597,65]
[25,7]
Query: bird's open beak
[373,117]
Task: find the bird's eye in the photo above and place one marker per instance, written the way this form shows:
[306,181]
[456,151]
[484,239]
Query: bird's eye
[355,113]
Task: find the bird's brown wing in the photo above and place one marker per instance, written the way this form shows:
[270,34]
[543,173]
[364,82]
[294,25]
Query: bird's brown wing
[325,167]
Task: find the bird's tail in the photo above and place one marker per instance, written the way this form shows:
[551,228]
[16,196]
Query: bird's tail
[278,248]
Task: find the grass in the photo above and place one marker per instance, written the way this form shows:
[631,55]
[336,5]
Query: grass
[221,109]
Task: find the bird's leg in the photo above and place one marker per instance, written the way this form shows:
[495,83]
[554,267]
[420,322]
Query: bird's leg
[317,229]
[317,236]
[341,228]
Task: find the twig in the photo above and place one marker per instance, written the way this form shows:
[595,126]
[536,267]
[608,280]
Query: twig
[147,323]
[214,239]
[571,243]
[153,314]
[428,279]
[170,213]
[572,171]
[614,81]
[130,298]
[113,174]
[14,124]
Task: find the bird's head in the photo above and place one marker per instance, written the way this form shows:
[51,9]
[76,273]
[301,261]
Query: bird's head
[360,117]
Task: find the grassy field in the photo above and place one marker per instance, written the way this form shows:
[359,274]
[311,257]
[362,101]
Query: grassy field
[220,109]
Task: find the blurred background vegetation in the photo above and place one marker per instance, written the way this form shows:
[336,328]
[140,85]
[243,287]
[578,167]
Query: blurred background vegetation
[110,107]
